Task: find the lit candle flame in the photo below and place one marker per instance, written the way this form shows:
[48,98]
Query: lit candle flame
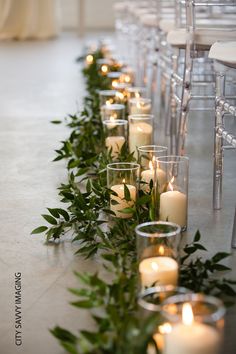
[170,184]
[137,94]
[108,102]
[114,83]
[104,69]
[154,266]
[187,314]
[165,328]
[123,181]
[89,59]
[112,118]
[127,79]
[120,95]
[161,250]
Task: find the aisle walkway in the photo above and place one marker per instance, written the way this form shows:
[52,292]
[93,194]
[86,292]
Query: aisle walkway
[39,82]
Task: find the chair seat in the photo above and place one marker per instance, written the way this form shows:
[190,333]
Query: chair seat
[168,24]
[224,52]
[203,37]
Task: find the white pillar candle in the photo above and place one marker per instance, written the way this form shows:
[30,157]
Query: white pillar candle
[122,203]
[191,337]
[173,207]
[158,270]
[140,108]
[115,143]
[139,134]
[148,175]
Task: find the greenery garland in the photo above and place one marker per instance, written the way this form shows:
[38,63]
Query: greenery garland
[113,304]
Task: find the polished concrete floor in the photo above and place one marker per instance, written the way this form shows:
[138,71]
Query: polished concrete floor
[40,82]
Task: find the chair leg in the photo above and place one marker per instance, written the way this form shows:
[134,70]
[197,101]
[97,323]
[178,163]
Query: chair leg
[218,143]
[184,107]
[233,243]
[171,117]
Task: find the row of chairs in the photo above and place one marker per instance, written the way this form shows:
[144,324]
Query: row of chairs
[184,51]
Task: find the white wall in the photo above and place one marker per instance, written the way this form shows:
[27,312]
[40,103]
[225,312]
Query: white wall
[98,14]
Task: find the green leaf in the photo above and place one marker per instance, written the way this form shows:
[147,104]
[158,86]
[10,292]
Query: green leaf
[127,193]
[144,199]
[56,121]
[219,256]
[84,304]
[197,236]
[54,212]
[63,213]
[49,219]
[39,230]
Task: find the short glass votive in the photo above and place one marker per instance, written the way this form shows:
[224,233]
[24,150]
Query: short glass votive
[114,78]
[158,252]
[115,135]
[107,97]
[140,131]
[140,105]
[104,66]
[150,170]
[196,324]
[122,179]
[136,92]
[113,111]
[150,304]
[122,88]
[174,197]
[127,76]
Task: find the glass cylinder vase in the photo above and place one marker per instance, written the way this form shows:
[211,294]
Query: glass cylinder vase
[140,105]
[174,197]
[113,111]
[140,131]
[107,97]
[150,305]
[158,252]
[122,180]
[196,324]
[150,171]
[115,135]
[136,92]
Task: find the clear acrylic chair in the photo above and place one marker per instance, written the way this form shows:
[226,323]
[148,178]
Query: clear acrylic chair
[224,55]
[200,24]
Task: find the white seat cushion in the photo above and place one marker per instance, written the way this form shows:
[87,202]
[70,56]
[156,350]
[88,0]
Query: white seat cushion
[203,37]
[224,52]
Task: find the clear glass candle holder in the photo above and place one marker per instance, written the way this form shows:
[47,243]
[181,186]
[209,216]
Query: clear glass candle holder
[150,304]
[127,76]
[113,111]
[114,78]
[115,135]
[121,87]
[140,131]
[150,171]
[158,252]
[140,105]
[136,92]
[107,97]
[122,180]
[174,197]
[196,324]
